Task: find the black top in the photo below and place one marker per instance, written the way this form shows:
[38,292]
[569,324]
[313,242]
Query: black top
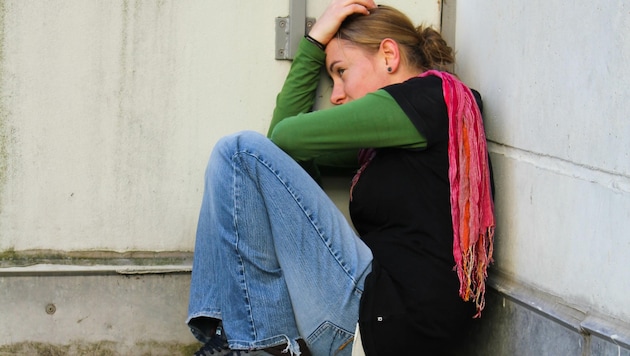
[401,209]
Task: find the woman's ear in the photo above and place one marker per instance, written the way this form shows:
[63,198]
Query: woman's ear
[390,53]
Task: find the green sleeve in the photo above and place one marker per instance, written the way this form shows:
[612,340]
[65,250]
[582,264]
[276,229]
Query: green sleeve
[374,121]
[333,136]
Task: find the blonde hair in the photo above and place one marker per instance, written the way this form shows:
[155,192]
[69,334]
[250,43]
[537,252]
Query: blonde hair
[422,47]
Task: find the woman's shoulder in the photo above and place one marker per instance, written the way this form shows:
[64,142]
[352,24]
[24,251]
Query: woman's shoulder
[418,94]
[417,88]
[421,99]
[423,90]
[429,81]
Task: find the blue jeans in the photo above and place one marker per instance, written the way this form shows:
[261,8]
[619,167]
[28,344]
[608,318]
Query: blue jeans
[274,259]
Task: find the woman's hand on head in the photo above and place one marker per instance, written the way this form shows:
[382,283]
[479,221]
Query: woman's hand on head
[328,23]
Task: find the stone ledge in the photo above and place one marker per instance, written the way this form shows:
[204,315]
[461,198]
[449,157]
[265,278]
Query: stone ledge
[26,258]
[554,308]
[43,270]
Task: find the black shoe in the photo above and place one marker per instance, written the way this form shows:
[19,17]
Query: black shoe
[217,345]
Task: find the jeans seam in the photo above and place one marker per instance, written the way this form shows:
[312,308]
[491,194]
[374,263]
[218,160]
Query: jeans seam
[241,264]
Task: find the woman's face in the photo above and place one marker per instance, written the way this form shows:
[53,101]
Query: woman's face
[354,71]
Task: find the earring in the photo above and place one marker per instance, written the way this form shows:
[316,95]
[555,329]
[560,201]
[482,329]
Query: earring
[389,69]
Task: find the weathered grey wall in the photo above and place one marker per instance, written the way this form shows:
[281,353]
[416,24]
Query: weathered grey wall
[554,78]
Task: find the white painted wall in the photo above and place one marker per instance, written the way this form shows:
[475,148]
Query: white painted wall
[554,76]
[110,108]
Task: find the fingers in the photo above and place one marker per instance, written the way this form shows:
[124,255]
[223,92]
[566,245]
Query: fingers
[364,6]
[328,23]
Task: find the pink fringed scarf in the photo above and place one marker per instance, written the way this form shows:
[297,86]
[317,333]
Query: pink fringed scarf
[472,208]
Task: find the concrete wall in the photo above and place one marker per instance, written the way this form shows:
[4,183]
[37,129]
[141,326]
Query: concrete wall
[554,76]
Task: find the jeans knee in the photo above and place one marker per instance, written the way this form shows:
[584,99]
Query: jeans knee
[227,146]
[243,141]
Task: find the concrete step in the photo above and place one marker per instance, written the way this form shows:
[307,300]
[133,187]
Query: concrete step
[49,309]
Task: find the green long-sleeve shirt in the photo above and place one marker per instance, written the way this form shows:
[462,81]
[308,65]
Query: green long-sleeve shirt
[332,137]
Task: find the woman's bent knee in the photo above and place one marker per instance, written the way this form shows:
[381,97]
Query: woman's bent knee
[242,141]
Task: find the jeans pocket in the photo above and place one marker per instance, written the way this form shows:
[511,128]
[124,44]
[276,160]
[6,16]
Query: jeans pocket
[329,339]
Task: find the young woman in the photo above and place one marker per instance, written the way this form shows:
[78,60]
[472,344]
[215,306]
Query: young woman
[278,268]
